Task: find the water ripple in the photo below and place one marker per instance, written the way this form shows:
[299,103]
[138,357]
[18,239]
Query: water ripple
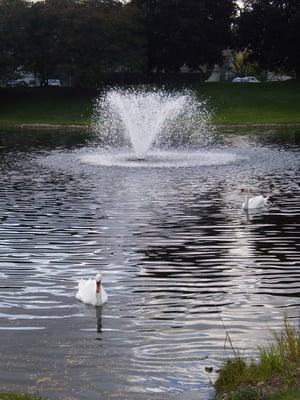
[180,260]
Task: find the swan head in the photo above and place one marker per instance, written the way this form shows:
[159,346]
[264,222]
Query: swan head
[98,282]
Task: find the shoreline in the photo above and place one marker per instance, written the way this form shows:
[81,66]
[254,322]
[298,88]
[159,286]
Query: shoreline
[77,127]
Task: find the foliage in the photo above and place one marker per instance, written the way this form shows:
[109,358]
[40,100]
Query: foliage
[244,392]
[270,29]
[9,60]
[243,65]
[77,40]
[276,366]
[74,39]
[290,394]
[185,32]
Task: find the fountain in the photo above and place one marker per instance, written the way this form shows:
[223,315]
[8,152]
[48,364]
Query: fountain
[143,115]
[143,127]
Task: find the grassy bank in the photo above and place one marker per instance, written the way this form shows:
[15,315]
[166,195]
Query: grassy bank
[45,105]
[291,394]
[263,103]
[275,375]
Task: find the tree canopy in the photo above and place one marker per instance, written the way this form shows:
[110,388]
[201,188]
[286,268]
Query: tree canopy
[270,29]
[80,39]
[190,32]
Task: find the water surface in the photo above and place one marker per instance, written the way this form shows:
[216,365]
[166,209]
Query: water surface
[180,260]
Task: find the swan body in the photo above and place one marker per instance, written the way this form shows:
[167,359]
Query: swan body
[255,202]
[91,291]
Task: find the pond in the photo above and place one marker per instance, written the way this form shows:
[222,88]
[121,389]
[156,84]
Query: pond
[181,262]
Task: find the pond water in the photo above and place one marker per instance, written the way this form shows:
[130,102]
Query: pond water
[181,261]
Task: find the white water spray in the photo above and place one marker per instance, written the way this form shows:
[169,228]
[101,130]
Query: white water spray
[144,119]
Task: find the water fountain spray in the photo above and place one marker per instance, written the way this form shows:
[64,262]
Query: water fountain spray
[143,119]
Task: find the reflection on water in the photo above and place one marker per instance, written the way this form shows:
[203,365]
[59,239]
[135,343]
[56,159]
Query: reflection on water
[179,256]
[99,319]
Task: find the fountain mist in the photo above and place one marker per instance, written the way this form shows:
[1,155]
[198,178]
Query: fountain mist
[143,119]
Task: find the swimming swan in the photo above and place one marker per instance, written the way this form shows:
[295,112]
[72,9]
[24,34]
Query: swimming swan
[254,202]
[91,291]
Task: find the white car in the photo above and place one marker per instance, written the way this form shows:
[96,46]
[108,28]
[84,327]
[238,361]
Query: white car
[54,82]
[251,79]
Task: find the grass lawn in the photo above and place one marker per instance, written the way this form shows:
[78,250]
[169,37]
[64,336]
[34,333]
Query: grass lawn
[45,105]
[262,103]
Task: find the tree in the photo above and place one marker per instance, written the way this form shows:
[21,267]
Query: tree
[185,32]
[41,41]
[243,65]
[28,33]
[100,37]
[270,29]
[72,38]
[13,13]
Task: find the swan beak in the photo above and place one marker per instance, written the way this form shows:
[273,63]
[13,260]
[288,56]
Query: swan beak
[98,287]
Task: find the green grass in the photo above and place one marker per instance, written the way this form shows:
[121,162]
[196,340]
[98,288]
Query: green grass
[263,103]
[18,396]
[292,394]
[45,105]
[277,367]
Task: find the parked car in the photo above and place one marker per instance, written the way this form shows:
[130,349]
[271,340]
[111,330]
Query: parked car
[251,79]
[54,82]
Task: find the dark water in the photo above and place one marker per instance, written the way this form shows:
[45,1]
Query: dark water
[180,260]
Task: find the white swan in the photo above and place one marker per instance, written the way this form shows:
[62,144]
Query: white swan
[254,202]
[91,291]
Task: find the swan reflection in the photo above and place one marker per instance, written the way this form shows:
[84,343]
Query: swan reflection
[99,319]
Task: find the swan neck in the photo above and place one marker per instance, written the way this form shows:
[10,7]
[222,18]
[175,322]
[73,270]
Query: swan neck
[98,287]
